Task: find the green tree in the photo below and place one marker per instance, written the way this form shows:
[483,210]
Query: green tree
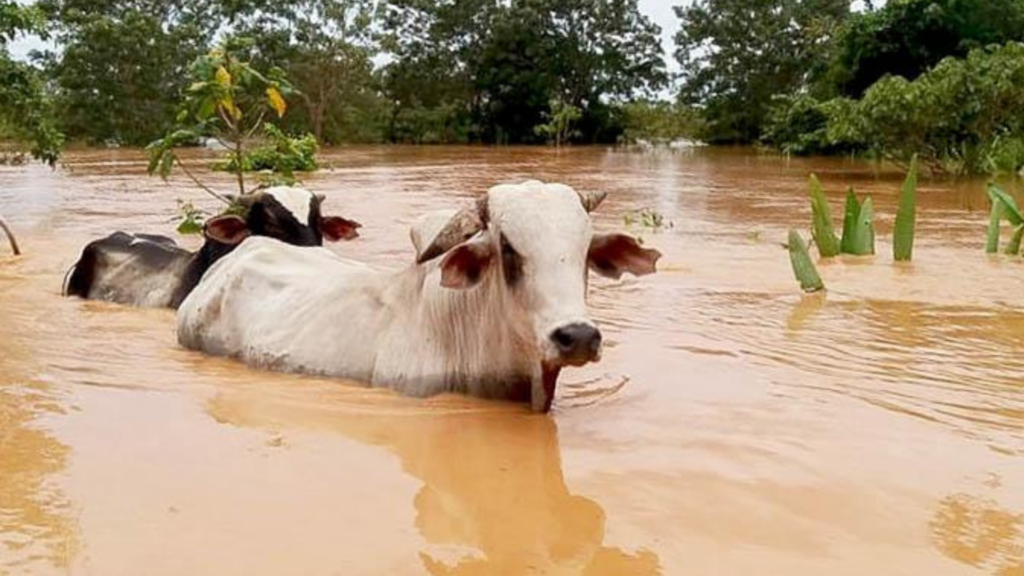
[736,55]
[494,66]
[961,117]
[25,115]
[227,100]
[120,65]
[560,120]
[907,37]
[326,46]
[659,122]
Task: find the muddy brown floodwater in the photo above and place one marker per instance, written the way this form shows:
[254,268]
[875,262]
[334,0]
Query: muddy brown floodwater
[734,426]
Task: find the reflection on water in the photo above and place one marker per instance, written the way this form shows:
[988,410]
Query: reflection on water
[980,533]
[493,499]
[734,426]
[37,526]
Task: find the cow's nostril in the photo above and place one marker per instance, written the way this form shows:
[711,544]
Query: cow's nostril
[577,342]
[563,338]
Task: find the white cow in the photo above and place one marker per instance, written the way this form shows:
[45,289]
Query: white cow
[494,306]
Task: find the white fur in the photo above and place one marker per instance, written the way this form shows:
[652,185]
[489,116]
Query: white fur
[308,310]
[295,200]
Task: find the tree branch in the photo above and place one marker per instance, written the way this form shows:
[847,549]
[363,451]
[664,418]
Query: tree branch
[259,122]
[10,237]
[204,187]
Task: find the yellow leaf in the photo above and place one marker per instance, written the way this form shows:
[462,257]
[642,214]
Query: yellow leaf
[223,77]
[276,101]
[229,106]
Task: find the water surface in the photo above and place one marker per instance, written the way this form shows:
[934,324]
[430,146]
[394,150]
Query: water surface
[734,425]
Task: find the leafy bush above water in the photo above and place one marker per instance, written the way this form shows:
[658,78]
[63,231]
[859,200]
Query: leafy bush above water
[283,155]
[961,117]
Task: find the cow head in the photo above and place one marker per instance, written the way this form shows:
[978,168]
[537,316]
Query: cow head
[536,239]
[291,215]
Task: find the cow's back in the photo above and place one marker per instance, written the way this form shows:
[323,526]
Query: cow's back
[278,306]
[142,270]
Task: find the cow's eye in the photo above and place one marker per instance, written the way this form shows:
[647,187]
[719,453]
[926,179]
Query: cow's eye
[511,261]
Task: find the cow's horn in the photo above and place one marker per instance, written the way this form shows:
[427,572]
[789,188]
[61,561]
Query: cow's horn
[591,200]
[462,226]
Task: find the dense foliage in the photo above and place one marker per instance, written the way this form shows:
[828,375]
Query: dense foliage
[736,55]
[659,122]
[928,77]
[26,116]
[363,70]
[485,70]
[963,116]
[122,65]
[907,37]
[940,79]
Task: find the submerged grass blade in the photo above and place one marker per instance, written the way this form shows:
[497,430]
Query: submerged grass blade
[803,266]
[992,244]
[822,231]
[906,216]
[1013,247]
[850,215]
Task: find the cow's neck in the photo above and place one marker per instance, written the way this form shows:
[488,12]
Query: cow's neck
[479,334]
[198,264]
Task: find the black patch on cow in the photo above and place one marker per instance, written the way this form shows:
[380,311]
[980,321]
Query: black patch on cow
[152,253]
[511,262]
[149,252]
[267,217]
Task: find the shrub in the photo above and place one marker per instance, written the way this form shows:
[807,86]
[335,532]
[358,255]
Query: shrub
[282,155]
[962,117]
[658,122]
[799,125]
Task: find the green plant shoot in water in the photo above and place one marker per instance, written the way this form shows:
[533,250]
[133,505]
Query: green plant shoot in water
[823,232]
[858,237]
[646,218]
[906,216]
[803,266]
[1003,207]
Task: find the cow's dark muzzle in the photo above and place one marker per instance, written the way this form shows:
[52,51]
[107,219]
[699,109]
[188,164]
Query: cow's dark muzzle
[577,343]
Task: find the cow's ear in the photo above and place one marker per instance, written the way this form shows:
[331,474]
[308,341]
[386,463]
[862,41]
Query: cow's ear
[465,265]
[611,255]
[227,229]
[336,228]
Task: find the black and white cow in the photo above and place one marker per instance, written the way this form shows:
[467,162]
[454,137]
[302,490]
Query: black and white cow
[153,271]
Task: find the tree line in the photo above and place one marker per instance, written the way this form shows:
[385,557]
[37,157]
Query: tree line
[363,70]
[927,77]
[941,79]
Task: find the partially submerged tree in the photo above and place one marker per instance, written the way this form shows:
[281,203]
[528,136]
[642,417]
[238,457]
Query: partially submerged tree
[228,101]
[560,120]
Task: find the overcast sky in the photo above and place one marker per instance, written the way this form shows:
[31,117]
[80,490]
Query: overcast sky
[661,12]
